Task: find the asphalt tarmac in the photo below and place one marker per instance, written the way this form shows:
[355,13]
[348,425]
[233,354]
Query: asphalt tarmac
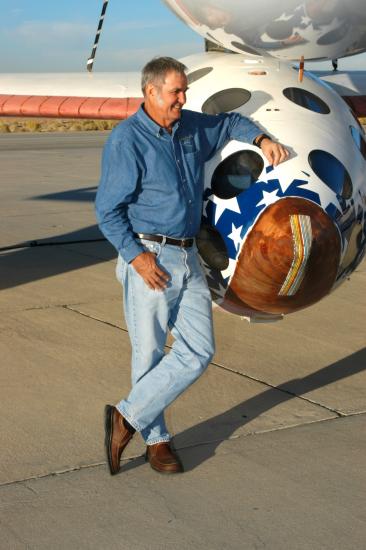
[272,436]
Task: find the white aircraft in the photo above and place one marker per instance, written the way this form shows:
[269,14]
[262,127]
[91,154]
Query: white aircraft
[273,240]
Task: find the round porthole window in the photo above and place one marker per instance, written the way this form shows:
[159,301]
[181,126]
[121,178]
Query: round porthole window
[332,172]
[236,174]
[306,99]
[226,100]
[199,73]
[359,140]
[211,247]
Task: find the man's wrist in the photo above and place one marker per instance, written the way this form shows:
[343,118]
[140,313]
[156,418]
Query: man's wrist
[258,140]
[130,252]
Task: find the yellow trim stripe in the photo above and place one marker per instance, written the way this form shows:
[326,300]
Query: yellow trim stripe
[302,238]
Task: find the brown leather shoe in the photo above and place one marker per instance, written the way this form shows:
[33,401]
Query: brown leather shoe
[118,432]
[163,459]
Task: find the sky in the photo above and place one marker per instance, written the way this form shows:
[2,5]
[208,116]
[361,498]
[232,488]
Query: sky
[57,36]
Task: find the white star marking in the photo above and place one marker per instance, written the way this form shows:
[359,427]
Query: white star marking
[284,17]
[305,20]
[285,184]
[269,198]
[235,235]
[206,267]
[326,195]
[222,205]
[220,291]
[205,203]
[229,270]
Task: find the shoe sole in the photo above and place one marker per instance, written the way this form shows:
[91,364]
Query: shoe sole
[108,424]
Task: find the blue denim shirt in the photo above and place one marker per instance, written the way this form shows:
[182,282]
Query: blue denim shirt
[152,181]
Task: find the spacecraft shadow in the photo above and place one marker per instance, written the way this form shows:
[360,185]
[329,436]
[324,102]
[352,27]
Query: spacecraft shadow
[204,438]
[219,428]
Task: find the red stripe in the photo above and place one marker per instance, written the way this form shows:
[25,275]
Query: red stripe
[98,107]
[68,107]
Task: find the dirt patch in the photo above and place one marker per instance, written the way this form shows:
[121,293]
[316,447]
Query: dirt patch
[13,124]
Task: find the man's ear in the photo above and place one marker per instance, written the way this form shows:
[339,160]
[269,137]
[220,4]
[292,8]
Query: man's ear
[150,90]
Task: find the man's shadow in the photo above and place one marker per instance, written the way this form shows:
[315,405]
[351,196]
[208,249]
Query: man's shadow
[206,436]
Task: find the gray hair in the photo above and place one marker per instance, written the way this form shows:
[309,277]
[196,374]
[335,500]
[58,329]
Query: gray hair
[155,70]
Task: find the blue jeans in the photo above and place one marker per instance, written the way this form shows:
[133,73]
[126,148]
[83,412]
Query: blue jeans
[185,308]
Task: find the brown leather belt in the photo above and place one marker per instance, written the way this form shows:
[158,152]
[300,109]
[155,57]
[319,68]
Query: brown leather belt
[184,243]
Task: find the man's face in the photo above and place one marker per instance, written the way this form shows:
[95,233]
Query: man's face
[168,98]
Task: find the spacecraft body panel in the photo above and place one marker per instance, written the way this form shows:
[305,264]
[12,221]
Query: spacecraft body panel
[275,240]
[286,29]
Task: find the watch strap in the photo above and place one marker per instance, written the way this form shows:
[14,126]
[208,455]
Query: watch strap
[263,136]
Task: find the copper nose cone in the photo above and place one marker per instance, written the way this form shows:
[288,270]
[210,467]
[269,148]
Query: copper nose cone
[290,258]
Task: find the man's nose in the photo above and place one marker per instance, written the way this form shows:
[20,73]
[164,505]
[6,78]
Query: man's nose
[182,97]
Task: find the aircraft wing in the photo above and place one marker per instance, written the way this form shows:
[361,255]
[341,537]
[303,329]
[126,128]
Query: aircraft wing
[70,95]
[118,95]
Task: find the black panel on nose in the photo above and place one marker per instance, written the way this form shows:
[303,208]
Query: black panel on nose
[226,100]
[306,99]
[199,73]
[332,172]
[236,173]
[211,247]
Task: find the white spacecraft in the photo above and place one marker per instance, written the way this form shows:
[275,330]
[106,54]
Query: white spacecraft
[273,240]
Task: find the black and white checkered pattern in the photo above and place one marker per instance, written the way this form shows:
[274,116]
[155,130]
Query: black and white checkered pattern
[90,61]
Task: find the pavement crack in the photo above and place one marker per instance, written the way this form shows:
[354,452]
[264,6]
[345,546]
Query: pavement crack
[88,316]
[50,306]
[31,489]
[279,388]
[179,448]
[227,369]
[50,474]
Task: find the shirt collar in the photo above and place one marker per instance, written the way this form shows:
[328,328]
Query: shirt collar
[152,126]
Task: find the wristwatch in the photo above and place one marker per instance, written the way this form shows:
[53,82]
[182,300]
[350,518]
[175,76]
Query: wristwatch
[263,136]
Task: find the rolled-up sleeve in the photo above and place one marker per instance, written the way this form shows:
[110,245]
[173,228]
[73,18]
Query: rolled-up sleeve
[117,188]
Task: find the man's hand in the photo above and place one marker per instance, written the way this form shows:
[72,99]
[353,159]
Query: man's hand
[146,266]
[274,152]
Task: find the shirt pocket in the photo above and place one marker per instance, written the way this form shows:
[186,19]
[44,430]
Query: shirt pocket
[188,145]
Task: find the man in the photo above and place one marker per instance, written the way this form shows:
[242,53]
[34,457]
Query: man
[149,205]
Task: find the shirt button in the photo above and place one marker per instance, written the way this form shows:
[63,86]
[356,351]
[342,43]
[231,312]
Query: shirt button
[189,202]
[178,161]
